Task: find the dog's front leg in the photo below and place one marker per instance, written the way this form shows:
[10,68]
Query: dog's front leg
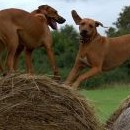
[73,73]
[93,71]
[52,60]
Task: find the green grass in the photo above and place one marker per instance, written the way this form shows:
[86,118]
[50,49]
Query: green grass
[107,99]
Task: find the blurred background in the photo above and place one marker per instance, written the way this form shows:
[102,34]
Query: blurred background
[105,11]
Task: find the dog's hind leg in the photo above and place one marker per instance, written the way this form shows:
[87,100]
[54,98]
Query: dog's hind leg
[11,48]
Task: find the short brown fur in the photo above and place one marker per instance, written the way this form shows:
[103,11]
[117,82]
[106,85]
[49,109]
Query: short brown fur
[23,30]
[98,52]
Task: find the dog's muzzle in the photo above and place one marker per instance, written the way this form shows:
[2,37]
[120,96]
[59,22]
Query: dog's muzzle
[60,20]
[84,36]
[84,33]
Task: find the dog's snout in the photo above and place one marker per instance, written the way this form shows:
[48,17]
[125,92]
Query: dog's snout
[61,20]
[83,32]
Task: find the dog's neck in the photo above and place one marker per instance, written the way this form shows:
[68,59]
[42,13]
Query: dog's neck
[88,40]
[85,40]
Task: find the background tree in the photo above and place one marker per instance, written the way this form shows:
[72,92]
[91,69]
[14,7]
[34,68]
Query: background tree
[122,25]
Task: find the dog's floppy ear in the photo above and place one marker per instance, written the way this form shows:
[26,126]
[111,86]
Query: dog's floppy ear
[76,17]
[43,7]
[97,23]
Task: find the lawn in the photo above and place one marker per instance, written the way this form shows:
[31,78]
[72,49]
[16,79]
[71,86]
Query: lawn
[107,99]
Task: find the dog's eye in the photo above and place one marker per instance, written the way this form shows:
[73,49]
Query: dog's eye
[90,25]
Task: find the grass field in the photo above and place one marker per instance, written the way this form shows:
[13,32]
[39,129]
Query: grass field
[107,98]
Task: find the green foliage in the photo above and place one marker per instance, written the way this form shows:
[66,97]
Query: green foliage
[124,19]
[122,25]
[66,43]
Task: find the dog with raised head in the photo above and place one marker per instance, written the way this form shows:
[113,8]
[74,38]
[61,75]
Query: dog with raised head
[23,30]
[95,51]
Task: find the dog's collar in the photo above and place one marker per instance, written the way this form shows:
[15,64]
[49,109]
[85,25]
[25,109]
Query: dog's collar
[85,40]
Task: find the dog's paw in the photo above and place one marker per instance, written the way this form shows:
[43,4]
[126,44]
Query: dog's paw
[75,86]
[56,77]
[66,86]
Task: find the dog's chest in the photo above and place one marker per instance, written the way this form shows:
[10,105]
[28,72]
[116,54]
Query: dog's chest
[89,53]
[85,60]
[84,57]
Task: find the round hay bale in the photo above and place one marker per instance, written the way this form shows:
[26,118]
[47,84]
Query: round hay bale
[120,119]
[39,103]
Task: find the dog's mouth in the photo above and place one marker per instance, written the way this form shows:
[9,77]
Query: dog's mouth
[84,36]
[84,33]
[53,24]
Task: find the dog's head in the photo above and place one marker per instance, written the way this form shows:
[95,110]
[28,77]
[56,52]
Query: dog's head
[52,15]
[87,27]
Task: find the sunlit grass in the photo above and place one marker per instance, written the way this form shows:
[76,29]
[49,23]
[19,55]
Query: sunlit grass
[107,99]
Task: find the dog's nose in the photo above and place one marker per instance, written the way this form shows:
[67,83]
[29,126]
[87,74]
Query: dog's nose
[83,32]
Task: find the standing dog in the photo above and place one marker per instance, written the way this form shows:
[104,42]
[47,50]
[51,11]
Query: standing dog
[95,51]
[21,29]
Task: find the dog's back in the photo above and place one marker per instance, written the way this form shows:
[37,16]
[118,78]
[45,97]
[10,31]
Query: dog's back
[26,25]
[15,16]
[118,51]
[12,16]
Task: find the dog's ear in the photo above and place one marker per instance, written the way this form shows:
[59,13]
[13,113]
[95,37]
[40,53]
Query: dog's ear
[76,17]
[43,7]
[97,23]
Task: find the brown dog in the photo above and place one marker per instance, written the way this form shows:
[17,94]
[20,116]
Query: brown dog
[21,29]
[98,52]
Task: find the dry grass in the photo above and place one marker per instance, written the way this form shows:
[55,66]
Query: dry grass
[39,103]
